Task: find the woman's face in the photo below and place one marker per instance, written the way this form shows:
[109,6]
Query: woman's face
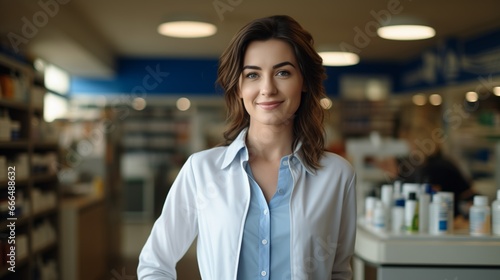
[271,83]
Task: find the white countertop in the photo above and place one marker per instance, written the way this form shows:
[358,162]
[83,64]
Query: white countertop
[459,248]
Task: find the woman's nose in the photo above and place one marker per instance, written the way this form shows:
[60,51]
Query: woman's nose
[268,86]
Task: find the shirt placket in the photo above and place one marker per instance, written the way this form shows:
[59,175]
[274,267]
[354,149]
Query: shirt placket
[264,245]
[265,223]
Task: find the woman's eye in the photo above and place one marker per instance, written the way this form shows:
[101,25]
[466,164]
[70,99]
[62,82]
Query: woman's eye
[251,75]
[283,73]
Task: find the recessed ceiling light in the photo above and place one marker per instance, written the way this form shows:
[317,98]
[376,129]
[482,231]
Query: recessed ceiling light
[139,103]
[406,32]
[187,29]
[419,99]
[435,99]
[496,91]
[471,96]
[183,104]
[338,58]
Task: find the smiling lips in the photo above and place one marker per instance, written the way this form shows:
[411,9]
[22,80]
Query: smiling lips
[269,105]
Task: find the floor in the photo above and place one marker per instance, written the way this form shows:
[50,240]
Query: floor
[134,237]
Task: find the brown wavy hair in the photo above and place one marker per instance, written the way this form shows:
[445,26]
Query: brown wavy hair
[308,121]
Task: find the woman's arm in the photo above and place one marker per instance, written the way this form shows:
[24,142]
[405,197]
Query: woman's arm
[174,231]
[347,235]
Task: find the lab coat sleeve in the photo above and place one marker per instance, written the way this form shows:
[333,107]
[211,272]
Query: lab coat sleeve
[174,231]
[347,234]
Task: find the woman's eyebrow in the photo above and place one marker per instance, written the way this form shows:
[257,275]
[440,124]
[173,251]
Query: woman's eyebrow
[251,67]
[283,64]
[274,67]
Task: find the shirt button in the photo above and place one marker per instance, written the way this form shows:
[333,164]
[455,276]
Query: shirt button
[263,273]
[266,211]
[264,241]
[280,191]
[285,162]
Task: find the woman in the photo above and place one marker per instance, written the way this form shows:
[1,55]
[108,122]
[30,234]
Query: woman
[270,203]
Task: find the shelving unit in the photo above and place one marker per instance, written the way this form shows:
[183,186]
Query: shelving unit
[91,216]
[474,141]
[161,137]
[358,118]
[161,129]
[37,196]
[158,137]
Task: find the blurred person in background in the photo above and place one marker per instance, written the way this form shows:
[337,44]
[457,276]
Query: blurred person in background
[428,163]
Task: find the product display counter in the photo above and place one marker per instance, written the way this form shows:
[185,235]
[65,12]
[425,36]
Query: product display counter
[83,250]
[388,256]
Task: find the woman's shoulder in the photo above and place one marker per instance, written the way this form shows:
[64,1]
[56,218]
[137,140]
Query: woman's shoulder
[332,161]
[208,154]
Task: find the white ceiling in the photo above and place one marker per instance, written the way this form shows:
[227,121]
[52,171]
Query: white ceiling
[85,36]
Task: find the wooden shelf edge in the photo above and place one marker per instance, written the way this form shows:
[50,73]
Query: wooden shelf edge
[14,104]
[45,212]
[43,178]
[46,146]
[19,222]
[19,182]
[18,144]
[45,248]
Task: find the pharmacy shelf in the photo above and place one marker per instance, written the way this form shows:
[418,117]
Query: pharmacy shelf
[21,221]
[361,117]
[19,182]
[16,105]
[26,107]
[14,145]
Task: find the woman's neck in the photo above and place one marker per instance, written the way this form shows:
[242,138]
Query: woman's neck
[269,142]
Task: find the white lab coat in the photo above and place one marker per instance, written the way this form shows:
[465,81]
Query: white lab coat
[209,200]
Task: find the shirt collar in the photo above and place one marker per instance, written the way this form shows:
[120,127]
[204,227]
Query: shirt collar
[298,155]
[239,143]
[234,148]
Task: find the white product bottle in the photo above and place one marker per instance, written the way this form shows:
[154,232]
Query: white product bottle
[438,216]
[397,194]
[411,213]
[410,187]
[495,213]
[396,190]
[398,216]
[379,219]
[387,200]
[369,206]
[479,216]
[449,198]
[424,199]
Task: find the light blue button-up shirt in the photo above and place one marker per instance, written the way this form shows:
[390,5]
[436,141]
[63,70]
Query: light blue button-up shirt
[265,250]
